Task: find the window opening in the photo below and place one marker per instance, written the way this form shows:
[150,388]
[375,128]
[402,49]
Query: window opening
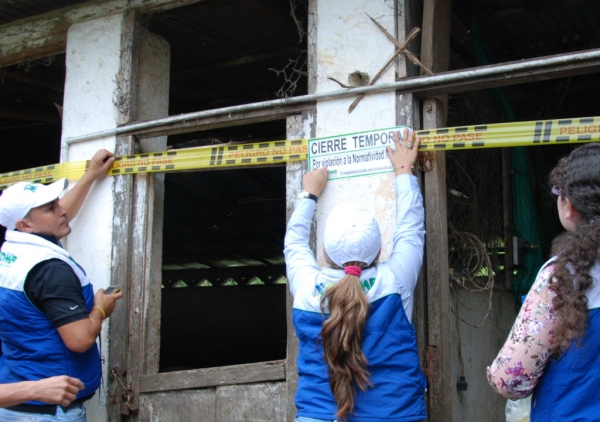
[223,276]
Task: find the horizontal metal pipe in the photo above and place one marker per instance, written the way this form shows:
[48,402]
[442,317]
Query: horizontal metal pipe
[405,85]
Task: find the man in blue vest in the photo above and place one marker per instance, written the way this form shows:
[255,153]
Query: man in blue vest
[50,317]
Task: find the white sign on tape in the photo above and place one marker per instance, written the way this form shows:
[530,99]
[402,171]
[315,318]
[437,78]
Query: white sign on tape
[353,154]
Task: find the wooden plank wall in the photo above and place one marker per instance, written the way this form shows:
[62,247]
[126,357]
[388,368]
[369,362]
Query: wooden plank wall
[256,403]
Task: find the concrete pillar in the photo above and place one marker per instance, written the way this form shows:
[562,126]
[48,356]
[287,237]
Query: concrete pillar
[108,82]
[349,44]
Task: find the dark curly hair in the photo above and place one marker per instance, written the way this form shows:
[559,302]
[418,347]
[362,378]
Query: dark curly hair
[578,177]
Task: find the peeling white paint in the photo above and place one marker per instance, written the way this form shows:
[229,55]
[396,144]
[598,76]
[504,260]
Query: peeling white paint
[118,186]
[92,67]
[93,60]
[348,41]
[307,123]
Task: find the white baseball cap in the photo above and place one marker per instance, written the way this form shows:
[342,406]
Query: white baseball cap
[351,234]
[18,199]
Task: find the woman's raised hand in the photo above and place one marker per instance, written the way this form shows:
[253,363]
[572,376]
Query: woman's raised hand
[404,158]
[314,181]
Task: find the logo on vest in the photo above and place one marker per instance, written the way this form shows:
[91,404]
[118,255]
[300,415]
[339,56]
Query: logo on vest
[6,258]
[367,284]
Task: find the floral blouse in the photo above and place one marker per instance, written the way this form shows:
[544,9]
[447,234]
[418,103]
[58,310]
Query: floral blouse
[520,363]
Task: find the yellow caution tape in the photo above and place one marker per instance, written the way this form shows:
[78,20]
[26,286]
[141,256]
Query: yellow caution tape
[227,155]
[46,174]
[542,132]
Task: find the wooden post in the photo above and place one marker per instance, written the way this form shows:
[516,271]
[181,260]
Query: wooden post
[435,53]
[119,346]
[439,353]
[142,267]
[120,274]
[435,34]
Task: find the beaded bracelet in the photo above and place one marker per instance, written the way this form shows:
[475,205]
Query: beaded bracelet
[404,167]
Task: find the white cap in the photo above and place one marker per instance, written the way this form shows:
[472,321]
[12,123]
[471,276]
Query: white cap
[351,234]
[18,199]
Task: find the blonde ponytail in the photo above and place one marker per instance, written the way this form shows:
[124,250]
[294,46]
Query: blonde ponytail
[342,340]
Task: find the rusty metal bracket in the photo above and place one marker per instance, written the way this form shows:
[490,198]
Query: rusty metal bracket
[426,160]
[127,393]
[431,364]
[126,407]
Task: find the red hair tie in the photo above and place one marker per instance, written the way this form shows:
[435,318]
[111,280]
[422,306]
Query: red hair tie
[353,270]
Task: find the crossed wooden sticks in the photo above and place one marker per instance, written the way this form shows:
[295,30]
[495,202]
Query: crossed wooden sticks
[401,50]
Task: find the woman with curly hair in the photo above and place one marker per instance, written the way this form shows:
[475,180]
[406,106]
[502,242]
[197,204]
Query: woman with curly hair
[358,355]
[553,349]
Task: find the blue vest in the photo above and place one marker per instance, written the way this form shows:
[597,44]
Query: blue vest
[569,390]
[32,349]
[390,347]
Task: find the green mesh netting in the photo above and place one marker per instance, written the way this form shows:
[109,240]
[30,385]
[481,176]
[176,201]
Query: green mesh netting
[525,221]
[525,218]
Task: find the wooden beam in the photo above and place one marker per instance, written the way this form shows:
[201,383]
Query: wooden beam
[120,274]
[143,272]
[46,35]
[213,377]
[126,257]
[435,38]
[435,54]
[439,352]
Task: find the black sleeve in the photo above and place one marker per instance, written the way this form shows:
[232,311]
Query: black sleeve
[54,289]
